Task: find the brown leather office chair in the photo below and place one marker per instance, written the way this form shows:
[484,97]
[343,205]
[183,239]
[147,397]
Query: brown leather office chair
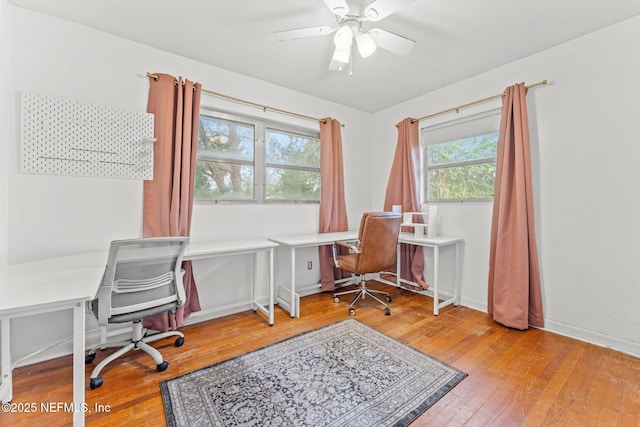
[375,252]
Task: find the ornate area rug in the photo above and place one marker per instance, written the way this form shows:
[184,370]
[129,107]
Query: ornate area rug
[344,374]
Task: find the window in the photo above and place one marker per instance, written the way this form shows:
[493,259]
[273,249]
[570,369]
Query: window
[242,159]
[460,158]
[292,166]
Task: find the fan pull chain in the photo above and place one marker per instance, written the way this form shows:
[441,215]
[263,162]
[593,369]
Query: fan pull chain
[351,63]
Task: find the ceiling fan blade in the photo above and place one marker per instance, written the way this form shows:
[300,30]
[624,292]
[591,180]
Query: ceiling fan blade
[338,7]
[392,42]
[380,9]
[302,33]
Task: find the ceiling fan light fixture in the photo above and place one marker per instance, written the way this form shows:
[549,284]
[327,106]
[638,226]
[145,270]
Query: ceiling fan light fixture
[350,27]
[366,45]
[341,54]
[343,37]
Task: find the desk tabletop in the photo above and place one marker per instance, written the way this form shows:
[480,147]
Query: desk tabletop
[66,280]
[226,247]
[431,241]
[315,239]
[59,281]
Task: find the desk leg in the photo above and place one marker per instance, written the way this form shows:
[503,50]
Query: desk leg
[267,309]
[271,288]
[456,277]
[78,364]
[6,389]
[436,265]
[294,309]
[254,303]
[398,265]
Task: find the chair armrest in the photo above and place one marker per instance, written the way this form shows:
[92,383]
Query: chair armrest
[180,288]
[353,248]
[334,251]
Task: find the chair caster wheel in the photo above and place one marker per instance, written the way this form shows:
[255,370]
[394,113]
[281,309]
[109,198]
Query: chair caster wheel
[179,342]
[336,299]
[388,298]
[96,382]
[89,358]
[161,367]
[352,312]
[387,312]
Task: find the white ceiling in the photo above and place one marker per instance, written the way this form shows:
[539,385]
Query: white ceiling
[456,39]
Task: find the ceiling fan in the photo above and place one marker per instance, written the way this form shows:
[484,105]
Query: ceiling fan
[350,27]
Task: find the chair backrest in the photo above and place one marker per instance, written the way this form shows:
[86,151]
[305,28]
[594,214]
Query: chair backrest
[378,237]
[142,276]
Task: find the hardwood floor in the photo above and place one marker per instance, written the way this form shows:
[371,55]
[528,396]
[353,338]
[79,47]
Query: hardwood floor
[516,378]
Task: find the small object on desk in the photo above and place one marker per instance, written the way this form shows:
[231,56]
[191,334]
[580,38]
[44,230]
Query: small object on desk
[422,228]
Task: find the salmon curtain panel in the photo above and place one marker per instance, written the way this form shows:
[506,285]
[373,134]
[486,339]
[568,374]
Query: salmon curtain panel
[402,189]
[515,297]
[333,209]
[168,198]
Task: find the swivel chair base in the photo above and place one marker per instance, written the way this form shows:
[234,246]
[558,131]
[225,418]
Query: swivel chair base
[362,292]
[137,342]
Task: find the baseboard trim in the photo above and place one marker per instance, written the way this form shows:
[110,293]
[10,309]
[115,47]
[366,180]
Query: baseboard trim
[622,345]
[212,313]
[571,331]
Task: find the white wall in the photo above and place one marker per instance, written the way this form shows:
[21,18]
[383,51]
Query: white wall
[56,215]
[585,152]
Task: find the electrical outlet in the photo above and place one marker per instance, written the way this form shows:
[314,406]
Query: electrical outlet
[309,265]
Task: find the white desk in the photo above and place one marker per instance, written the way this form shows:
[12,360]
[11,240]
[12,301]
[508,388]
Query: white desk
[69,282]
[307,240]
[436,243]
[44,286]
[303,241]
[239,247]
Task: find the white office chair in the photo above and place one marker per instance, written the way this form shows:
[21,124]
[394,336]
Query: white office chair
[143,277]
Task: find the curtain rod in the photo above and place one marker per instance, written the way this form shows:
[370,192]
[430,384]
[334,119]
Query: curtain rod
[255,104]
[543,82]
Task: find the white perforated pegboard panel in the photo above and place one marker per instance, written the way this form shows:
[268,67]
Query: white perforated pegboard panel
[69,137]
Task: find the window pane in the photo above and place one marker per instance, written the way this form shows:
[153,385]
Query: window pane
[225,139]
[225,160]
[289,149]
[289,184]
[472,148]
[462,182]
[217,180]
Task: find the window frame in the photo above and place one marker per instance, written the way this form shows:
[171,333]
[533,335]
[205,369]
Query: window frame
[261,126]
[424,155]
